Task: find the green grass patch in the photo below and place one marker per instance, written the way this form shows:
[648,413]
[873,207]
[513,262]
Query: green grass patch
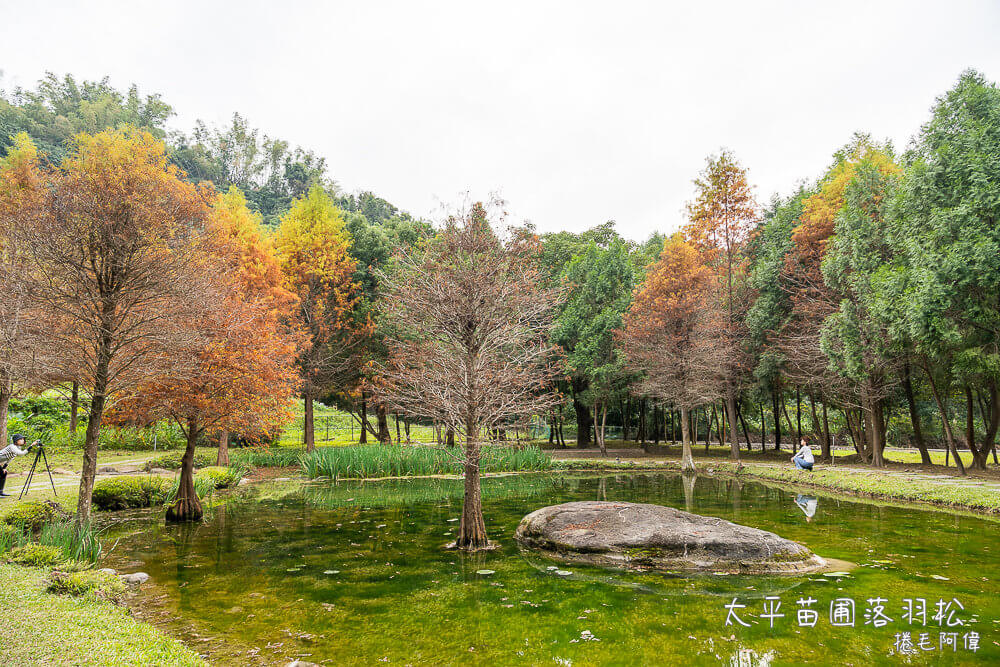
[36,555]
[367,461]
[88,583]
[878,484]
[68,630]
[119,493]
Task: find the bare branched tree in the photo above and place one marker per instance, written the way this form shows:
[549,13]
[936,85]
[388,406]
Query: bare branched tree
[471,321]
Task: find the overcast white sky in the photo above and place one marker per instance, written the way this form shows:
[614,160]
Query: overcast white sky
[576,112]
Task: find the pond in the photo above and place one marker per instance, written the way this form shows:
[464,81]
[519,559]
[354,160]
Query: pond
[355,573]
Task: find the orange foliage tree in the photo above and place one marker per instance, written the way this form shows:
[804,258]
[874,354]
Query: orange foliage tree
[244,376]
[722,216]
[313,248]
[672,336]
[249,257]
[111,258]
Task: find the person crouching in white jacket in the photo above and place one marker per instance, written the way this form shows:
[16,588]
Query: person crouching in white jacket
[803,458]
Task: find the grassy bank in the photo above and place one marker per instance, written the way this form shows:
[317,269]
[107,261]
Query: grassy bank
[368,461]
[41,628]
[898,486]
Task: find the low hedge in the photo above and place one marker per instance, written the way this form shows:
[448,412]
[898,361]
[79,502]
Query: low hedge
[173,461]
[127,492]
[33,514]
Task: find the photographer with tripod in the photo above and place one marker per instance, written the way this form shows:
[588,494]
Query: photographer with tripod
[9,452]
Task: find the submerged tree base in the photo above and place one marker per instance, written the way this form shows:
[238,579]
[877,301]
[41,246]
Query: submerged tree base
[489,546]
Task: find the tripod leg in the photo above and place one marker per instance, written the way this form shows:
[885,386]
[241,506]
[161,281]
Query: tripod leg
[48,470]
[31,473]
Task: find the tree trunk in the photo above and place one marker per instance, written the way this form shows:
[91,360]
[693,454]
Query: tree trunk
[656,425]
[777,419]
[384,437]
[827,450]
[222,459]
[948,434]
[687,457]
[97,401]
[398,437]
[601,408]
[970,431]
[406,429]
[472,528]
[791,429]
[918,433]
[798,416]
[641,434]
[743,423]
[626,409]
[584,422]
[878,432]
[449,437]
[763,428]
[187,507]
[309,425]
[74,409]
[363,438]
[980,455]
[734,443]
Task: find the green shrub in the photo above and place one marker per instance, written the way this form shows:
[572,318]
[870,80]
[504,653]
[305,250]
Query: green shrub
[119,493]
[172,461]
[220,477]
[399,461]
[33,514]
[36,555]
[88,583]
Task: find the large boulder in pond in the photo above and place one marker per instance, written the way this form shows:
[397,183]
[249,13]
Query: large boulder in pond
[637,536]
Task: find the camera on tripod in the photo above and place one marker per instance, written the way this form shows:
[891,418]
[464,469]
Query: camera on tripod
[39,454]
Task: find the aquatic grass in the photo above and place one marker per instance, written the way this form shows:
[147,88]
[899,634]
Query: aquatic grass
[265,457]
[78,544]
[11,537]
[222,477]
[368,461]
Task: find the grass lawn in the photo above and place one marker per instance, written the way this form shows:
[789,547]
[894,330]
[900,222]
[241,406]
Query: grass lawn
[41,628]
[966,493]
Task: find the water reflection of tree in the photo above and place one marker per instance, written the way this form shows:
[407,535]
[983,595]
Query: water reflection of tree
[687,483]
